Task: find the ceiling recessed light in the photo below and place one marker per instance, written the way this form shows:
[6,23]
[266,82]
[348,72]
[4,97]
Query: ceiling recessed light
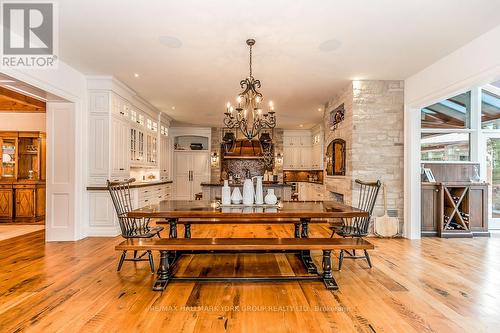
[319,109]
[136,75]
[173,107]
[330,45]
[301,125]
[171,42]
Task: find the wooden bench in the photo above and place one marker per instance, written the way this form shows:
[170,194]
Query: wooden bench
[167,246]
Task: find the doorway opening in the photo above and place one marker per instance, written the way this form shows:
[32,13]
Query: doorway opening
[22,160]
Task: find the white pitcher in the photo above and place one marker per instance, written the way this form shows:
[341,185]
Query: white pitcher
[259,192]
[226,194]
[248,192]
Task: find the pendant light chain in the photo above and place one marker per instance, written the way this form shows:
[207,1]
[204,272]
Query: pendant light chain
[251,61]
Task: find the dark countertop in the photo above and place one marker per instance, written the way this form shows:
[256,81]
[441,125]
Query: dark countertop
[264,184]
[305,181]
[453,183]
[133,185]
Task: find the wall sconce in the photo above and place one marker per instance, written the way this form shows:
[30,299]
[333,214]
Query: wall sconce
[279,158]
[214,157]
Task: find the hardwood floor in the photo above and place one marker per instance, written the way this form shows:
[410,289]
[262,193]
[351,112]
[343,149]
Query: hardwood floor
[432,285]
[11,231]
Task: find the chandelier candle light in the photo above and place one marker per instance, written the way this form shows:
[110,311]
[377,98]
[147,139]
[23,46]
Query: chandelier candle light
[248,116]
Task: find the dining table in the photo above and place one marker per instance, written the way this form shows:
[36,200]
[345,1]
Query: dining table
[299,214]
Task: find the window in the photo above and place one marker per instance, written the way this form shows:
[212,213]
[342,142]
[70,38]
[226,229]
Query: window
[490,108]
[446,129]
[149,124]
[141,120]
[155,126]
[133,116]
[450,113]
[445,146]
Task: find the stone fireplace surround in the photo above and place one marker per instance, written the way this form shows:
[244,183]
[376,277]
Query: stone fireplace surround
[373,131]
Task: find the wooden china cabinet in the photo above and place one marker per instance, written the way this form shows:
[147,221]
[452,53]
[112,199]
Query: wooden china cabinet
[22,176]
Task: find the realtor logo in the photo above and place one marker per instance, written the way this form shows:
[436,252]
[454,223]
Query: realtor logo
[28,35]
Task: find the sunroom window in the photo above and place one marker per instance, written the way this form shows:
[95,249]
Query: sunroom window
[445,129]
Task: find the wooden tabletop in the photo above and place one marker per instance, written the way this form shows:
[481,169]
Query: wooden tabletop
[208,209]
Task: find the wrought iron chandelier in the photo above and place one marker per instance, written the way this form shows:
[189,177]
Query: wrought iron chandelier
[248,115]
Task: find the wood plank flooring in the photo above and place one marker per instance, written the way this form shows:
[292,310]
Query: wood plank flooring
[11,231]
[432,285]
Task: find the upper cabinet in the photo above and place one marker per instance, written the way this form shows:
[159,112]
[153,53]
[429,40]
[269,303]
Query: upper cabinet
[302,150]
[124,132]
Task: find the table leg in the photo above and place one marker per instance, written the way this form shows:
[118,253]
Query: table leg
[172,256]
[297,230]
[305,255]
[187,230]
[173,228]
[163,275]
[328,278]
[305,227]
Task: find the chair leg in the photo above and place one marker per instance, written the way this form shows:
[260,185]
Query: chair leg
[368,258]
[341,258]
[151,262]
[333,234]
[158,234]
[135,254]
[122,258]
[353,252]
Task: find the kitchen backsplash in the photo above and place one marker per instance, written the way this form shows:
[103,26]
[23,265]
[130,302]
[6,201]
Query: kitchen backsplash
[142,175]
[238,166]
[303,176]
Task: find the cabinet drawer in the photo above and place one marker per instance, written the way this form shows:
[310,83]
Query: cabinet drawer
[30,186]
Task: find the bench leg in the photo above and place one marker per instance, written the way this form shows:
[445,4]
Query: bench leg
[163,273]
[187,231]
[328,278]
[305,255]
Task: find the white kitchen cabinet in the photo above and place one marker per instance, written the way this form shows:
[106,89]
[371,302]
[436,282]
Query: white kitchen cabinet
[305,158]
[302,150]
[291,157]
[165,157]
[310,191]
[191,168]
[120,149]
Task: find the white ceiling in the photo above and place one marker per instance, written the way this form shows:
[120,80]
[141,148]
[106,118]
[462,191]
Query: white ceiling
[364,39]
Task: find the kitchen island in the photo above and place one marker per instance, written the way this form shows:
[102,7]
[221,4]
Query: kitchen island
[213,190]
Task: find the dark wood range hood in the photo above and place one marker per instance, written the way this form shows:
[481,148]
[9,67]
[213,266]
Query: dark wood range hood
[245,149]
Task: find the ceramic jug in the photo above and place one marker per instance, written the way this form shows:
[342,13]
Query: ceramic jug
[271,198]
[236,196]
[259,192]
[226,194]
[248,192]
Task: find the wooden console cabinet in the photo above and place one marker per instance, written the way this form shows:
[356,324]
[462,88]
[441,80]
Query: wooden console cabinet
[454,209]
[22,176]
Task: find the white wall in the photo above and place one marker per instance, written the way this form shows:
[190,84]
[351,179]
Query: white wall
[472,65]
[12,121]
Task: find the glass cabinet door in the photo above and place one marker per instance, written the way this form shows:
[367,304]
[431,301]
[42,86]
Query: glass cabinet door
[133,144]
[9,157]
